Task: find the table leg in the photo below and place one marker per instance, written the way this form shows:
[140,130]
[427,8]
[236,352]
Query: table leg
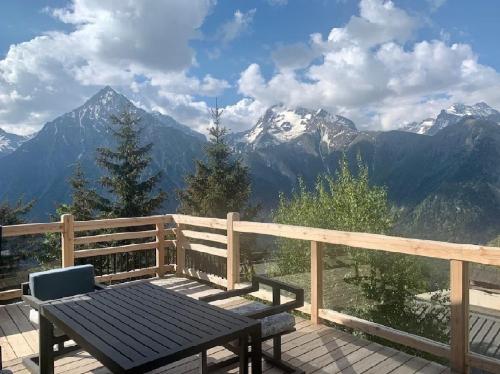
[256,351]
[46,346]
[204,363]
[243,354]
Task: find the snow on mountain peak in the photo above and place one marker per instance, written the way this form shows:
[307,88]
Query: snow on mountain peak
[10,142]
[280,124]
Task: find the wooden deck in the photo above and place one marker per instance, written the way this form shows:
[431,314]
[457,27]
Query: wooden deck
[316,349]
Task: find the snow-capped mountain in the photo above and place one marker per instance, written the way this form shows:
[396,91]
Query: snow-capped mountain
[10,142]
[51,155]
[451,116]
[280,125]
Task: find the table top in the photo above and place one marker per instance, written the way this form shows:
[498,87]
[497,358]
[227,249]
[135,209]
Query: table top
[140,327]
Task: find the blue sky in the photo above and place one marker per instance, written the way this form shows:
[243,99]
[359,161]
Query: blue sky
[387,62]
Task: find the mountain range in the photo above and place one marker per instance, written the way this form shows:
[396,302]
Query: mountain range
[442,175]
[10,142]
[39,169]
[451,116]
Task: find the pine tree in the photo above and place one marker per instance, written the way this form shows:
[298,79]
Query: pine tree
[221,184]
[130,194]
[84,200]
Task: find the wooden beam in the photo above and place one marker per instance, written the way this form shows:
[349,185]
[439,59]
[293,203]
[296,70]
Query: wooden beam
[316,280]
[233,251]
[218,238]
[418,247]
[118,249]
[180,242]
[115,236]
[479,361]
[459,316]
[10,294]
[118,222]
[202,248]
[160,248]
[31,229]
[213,223]
[393,335]
[68,240]
[127,274]
[198,274]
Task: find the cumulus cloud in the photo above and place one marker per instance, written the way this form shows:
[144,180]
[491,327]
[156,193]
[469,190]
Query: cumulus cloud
[373,71]
[112,42]
[238,25]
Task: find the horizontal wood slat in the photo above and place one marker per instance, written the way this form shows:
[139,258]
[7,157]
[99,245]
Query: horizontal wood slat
[119,222]
[115,236]
[482,362]
[131,274]
[31,229]
[214,223]
[393,335]
[205,276]
[206,249]
[110,250]
[418,247]
[218,238]
[10,294]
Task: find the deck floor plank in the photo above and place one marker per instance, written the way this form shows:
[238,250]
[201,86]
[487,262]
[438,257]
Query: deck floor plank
[314,348]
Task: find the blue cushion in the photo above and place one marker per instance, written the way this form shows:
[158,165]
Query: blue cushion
[57,283]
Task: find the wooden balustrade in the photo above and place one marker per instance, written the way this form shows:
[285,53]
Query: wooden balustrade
[188,237]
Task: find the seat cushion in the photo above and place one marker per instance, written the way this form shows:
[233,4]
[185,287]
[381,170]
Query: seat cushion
[57,283]
[271,325]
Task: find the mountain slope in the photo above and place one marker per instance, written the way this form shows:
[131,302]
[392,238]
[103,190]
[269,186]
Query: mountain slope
[41,167]
[10,142]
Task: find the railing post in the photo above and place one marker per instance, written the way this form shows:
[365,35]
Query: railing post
[316,280]
[180,252]
[160,248]
[68,240]
[233,251]
[459,320]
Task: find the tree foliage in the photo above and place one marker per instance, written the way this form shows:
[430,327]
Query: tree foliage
[388,281]
[345,202]
[221,183]
[130,194]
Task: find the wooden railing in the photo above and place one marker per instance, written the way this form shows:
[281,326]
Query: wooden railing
[219,238]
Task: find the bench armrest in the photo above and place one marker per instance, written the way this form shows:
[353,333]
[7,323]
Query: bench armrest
[276,285]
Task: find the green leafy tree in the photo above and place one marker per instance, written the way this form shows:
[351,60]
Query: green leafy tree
[388,282]
[221,184]
[345,202]
[130,194]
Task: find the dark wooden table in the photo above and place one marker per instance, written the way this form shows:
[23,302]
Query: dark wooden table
[140,327]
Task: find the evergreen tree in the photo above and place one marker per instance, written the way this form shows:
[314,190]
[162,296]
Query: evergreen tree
[84,200]
[14,215]
[130,194]
[221,184]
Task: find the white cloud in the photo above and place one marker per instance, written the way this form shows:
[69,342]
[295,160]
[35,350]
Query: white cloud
[436,4]
[112,42]
[238,25]
[277,2]
[373,71]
